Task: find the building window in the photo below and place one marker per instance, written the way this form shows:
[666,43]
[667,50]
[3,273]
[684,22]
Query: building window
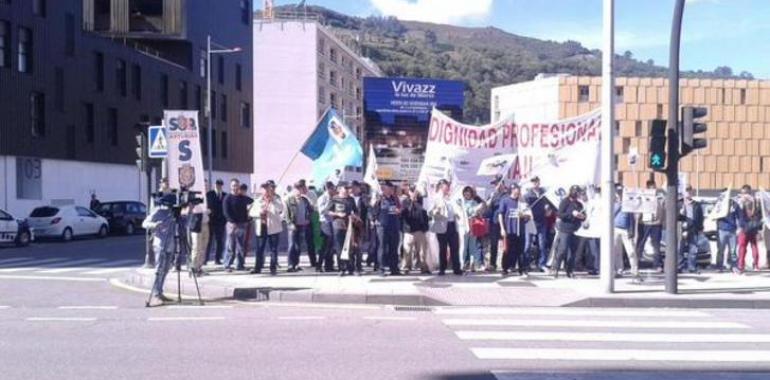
[245,115]
[223,107]
[358,93]
[321,95]
[743,96]
[584,93]
[321,46]
[214,144]
[37,113]
[136,81]
[213,109]
[88,108]
[333,78]
[58,79]
[39,7]
[25,50]
[112,125]
[221,69]
[121,72]
[619,94]
[5,44]
[183,102]
[99,71]
[224,144]
[202,63]
[238,77]
[333,55]
[246,12]
[164,89]
[69,34]
[333,100]
[198,97]
[358,73]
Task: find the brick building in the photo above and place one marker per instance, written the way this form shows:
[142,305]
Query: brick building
[738,122]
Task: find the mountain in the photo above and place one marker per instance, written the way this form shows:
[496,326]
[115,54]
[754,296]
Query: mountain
[481,57]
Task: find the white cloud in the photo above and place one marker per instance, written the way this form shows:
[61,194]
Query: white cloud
[437,11]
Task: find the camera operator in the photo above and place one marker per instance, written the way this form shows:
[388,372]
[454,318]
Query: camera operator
[198,223]
[161,222]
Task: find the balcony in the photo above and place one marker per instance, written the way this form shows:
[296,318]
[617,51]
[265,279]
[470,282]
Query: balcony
[135,19]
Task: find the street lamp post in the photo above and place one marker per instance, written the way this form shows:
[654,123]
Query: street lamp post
[210,132]
[607,270]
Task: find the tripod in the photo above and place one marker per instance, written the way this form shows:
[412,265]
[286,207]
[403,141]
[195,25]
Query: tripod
[180,245]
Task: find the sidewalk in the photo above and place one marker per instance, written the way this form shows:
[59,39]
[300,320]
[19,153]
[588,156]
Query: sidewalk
[706,290]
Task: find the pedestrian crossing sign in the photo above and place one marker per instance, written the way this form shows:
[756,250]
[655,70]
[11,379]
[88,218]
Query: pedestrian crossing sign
[158,145]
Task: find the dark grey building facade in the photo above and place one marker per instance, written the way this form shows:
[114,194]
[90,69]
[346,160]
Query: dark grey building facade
[76,76]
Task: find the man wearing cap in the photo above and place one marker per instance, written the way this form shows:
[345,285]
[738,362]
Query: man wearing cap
[236,210]
[217,221]
[539,205]
[389,214]
[299,211]
[267,212]
[325,258]
[494,227]
[445,215]
[571,217]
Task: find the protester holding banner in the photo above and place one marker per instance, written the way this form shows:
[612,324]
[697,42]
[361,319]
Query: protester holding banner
[727,238]
[473,208]
[624,237]
[342,210]
[445,215]
[493,203]
[415,226]
[749,225]
[513,214]
[589,232]
[691,216]
[267,212]
[571,217]
[652,228]
[535,198]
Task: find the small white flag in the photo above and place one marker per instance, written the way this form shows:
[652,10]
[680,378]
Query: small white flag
[370,177]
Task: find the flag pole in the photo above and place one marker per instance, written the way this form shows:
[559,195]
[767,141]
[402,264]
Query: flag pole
[607,273]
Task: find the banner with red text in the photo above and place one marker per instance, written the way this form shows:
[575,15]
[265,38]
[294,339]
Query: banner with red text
[561,153]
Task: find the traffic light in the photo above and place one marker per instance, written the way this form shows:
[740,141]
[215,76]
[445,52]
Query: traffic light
[658,145]
[691,126]
[141,151]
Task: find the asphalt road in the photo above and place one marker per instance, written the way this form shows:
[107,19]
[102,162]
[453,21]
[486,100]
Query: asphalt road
[59,326]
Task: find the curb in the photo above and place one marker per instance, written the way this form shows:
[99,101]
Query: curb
[682,303]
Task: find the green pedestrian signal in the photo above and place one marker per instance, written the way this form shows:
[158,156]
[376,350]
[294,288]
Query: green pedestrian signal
[658,145]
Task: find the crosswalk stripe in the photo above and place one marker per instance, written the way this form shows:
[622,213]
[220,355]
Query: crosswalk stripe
[611,337]
[566,354]
[652,324]
[70,266]
[36,263]
[60,319]
[119,263]
[174,319]
[563,311]
[105,271]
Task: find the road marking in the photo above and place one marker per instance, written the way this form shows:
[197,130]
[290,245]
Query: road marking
[587,323]
[14,260]
[60,319]
[4,307]
[565,354]
[391,318]
[305,318]
[562,311]
[199,307]
[51,278]
[87,307]
[106,271]
[173,319]
[626,375]
[120,263]
[71,266]
[32,262]
[611,337]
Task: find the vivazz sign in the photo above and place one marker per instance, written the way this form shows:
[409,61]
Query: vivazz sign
[405,89]
[185,161]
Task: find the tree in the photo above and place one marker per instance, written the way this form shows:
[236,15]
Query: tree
[723,71]
[628,55]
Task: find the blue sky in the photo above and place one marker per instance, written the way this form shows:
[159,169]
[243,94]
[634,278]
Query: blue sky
[735,33]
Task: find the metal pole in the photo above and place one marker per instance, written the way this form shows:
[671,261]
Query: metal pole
[149,255]
[672,170]
[607,274]
[210,130]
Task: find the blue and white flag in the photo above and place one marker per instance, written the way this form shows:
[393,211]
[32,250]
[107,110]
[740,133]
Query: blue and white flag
[332,147]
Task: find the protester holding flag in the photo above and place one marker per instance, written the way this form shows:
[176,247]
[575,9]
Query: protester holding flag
[445,215]
[493,202]
[267,212]
[749,225]
[342,210]
[513,214]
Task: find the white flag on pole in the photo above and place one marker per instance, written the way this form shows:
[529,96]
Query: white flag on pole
[370,177]
[345,254]
[721,206]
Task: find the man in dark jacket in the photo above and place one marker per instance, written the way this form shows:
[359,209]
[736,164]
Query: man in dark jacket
[298,212]
[415,225]
[389,217]
[235,209]
[571,217]
[494,227]
[691,217]
[535,198]
[727,230]
[342,211]
[217,222]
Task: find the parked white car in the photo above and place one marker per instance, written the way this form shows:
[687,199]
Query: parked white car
[67,222]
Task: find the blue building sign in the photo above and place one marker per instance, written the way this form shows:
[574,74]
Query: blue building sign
[397,112]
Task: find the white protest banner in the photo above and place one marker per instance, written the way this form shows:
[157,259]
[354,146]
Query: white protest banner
[721,206]
[639,201]
[496,165]
[764,203]
[561,153]
[370,176]
[185,161]
[592,226]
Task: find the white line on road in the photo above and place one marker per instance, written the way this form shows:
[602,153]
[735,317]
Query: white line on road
[106,271]
[611,337]
[70,266]
[565,354]
[121,263]
[14,260]
[35,262]
[199,307]
[302,318]
[391,318]
[75,263]
[652,324]
[87,307]
[173,319]
[60,319]
[562,311]
[51,278]
[4,307]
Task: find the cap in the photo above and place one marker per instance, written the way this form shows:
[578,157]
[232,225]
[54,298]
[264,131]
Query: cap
[515,185]
[442,182]
[270,183]
[535,179]
[387,183]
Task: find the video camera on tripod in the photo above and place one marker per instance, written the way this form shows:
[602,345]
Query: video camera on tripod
[178,200]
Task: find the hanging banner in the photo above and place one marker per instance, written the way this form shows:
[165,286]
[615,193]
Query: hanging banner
[639,201]
[561,153]
[185,161]
[333,147]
